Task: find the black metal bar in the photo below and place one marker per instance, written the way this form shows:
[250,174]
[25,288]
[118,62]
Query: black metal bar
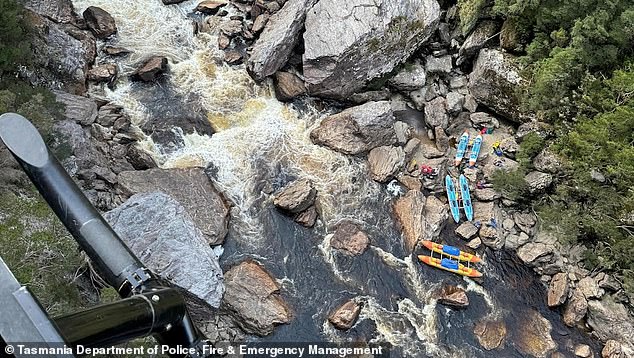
[121,321]
[112,257]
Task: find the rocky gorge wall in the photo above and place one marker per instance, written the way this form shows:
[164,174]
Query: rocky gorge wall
[408,84]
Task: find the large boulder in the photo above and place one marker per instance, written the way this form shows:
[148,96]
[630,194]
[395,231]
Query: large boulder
[164,237]
[252,299]
[466,230]
[385,162]
[537,182]
[62,55]
[547,161]
[192,189]
[100,22]
[478,38]
[436,113]
[494,82]
[410,214]
[589,287]
[349,238]
[535,338]
[409,78]
[558,290]
[150,69]
[288,86]
[357,129]
[490,334]
[349,43]
[80,109]
[534,253]
[276,42]
[346,315]
[60,11]
[436,214]
[611,320]
[296,196]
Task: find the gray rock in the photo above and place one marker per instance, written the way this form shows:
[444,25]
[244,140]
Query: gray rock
[457,82]
[164,237]
[357,129]
[455,101]
[438,64]
[470,103]
[346,315]
[547,161]
[288,86]
[483,119]
[296,196]
[575,309]
[60,11]
[499,163]
[350,239]
[589,287]
[494,82]
[514,241]
[442,141]
[436,113]
[139,158]
[349,43]
[475,243]
[276,42]
[100,22]
[611,320]
[411,146]
[525,221]
[252,299]
[260,22]
[385,162]
[150,69]
[308,217]
[532,251]
[466,230]
[62,55]
[486,194]
[410,214]
[77,108]
[436,214]
[478,38]
[558,290]
[491,237]
[509,147]
[453,296]
[192,189]
[597,176]
[508,224]
[542,129]
[537,181]
[410,78]
[402,132]
[370,96]
[210,7]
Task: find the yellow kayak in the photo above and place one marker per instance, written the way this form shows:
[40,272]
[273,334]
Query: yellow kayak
[450,265]
[451,251]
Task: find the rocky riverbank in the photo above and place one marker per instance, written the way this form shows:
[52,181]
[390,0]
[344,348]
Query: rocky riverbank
[404,83]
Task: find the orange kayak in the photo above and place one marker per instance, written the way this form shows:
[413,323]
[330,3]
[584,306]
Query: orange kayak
[451,251]
[450,265]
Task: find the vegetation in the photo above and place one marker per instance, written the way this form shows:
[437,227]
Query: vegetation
[579,61]
[14,47]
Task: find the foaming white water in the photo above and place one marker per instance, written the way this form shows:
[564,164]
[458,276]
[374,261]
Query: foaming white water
[409,267]
[329,257]
[400,326]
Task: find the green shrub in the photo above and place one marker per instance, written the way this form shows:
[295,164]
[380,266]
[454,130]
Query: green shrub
[470,11]
[14,44]
[510,184]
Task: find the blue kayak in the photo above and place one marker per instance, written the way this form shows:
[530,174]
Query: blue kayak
[462,147]
[451,195]
[475,150]
[466,197]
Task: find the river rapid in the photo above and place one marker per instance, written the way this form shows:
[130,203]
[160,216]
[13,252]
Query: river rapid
[259,145]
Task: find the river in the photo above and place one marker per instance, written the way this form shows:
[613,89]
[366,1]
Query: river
[261,144]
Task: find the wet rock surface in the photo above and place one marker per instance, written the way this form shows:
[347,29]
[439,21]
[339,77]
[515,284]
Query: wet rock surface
[350,239]
[163,235]
[252,299]
[357,129]
[558,290]
[345,316]
[490,334]
[536,339]
[296,197]
[100,22]
[151,69]
[192,189]
[409,211]
[453,296]
[384,162]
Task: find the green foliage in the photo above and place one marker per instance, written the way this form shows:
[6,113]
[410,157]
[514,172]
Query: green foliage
[14,47]
[511,184]
[470,11]
[530,146]
[39,251]
[35,103]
